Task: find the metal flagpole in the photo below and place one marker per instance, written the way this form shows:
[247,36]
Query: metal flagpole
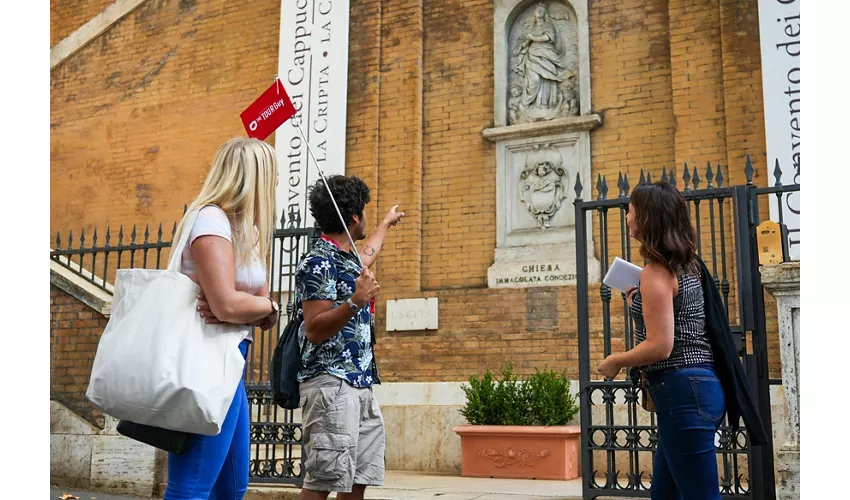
[325,180]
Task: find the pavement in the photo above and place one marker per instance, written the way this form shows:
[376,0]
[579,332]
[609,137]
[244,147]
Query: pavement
[405,486]
[59,493]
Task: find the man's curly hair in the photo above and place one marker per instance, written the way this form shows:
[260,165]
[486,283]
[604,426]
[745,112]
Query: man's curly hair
[351,194]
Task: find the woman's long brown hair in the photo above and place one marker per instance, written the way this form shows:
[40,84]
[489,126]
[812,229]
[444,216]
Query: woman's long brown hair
[665,230]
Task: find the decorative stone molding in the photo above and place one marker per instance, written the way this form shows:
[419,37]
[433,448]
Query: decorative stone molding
[522,456]
[584,123]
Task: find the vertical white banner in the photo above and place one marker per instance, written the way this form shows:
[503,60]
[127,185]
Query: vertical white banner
[779,30]
[313,66]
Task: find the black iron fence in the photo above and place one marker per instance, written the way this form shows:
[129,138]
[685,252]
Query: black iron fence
[97,257]
[618,437]
[275,433]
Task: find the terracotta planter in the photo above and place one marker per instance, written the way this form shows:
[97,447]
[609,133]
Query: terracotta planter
[519,452]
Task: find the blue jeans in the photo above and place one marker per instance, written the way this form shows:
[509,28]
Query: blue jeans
[215,467]
[690,406]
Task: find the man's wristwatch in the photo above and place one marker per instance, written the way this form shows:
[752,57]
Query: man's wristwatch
[351,305]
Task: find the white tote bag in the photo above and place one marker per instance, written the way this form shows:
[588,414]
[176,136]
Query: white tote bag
[158,363]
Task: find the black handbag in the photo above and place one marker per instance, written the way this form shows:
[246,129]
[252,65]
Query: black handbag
[176,442]
[284,366]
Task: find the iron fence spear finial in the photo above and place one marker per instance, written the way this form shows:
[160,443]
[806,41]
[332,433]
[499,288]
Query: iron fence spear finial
[777,174]
[709,175]
[578,187]
[749,170]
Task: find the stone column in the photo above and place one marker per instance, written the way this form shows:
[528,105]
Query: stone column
[783,282]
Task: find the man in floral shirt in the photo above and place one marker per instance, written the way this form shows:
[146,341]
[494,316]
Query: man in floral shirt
[344,439]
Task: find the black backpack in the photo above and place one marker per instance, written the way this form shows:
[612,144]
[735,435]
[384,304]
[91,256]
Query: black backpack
[285,364]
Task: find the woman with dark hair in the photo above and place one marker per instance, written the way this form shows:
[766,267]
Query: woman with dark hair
[673,349]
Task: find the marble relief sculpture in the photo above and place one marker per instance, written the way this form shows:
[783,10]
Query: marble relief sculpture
[544,68]
[543,184]
[542,125]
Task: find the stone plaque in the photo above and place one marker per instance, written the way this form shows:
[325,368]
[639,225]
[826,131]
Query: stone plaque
[535,232]
[546,272]
[412,314]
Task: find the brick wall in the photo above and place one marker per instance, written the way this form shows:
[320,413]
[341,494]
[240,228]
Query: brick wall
[659,78]
[137,115]
[459,171]
[675,81]
[74,333]
[66,16]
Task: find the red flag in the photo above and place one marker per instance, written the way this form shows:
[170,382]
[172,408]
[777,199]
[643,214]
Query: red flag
[268,112]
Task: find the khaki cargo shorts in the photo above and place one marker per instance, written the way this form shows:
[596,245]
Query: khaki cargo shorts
[344,440]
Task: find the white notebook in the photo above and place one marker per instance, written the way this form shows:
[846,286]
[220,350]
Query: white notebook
[622,275]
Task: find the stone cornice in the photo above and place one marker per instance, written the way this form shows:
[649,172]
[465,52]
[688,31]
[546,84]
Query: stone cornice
[537,129]
[781,278]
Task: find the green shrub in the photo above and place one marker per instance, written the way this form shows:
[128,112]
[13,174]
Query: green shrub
[542,399]
[549,398]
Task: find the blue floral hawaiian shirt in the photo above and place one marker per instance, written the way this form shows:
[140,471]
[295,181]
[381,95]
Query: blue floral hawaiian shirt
[328,273]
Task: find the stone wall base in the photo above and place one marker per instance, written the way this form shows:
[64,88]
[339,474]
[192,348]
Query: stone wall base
[83,456]
[788,474]
[419,418]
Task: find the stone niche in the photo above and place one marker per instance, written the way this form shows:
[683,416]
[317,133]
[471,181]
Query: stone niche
[542,135]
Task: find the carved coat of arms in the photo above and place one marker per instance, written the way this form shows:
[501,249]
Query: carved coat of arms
[542,185]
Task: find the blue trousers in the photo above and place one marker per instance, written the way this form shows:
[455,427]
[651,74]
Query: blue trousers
[690,406]
[215,467]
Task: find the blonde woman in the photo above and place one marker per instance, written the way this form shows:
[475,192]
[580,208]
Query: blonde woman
[228,255]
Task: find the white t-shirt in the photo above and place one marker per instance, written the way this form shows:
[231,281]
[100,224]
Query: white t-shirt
[212,221]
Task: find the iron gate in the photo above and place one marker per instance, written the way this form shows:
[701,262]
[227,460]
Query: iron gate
[276,433]
[618,436]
